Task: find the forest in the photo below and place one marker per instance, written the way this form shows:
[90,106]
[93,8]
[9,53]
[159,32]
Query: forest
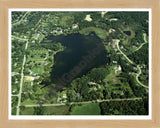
[136,107]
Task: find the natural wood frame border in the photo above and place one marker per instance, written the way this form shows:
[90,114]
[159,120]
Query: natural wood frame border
[4,8]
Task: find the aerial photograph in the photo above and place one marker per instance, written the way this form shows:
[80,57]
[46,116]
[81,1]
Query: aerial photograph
[79,63]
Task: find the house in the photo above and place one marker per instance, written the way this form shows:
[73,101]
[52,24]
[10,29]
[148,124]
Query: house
[64,96]
[37,36]
[117,69]
[95,89]
[35,74]
[91,83]
[14,73]
[77,94]
[14,90]
[33,41]
[114,62]
[74,26]
[58,99]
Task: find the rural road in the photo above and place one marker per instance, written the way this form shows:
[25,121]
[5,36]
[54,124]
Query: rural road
[22,75]
[145,41]
[117,43]
[21,83]
[85,102]
[21,18]
[138,76]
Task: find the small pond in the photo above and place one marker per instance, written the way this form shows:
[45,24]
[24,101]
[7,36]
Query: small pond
[127,32]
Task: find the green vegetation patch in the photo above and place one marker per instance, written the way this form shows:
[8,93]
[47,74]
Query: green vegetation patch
[66,20]
[39,69]
[49,110]
[57,110]
[27,111]
[28,102]
[132,107]
[14,104]
[99,32]
[86,109]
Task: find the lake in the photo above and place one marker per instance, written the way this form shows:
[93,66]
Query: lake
[127,32]
[82,53]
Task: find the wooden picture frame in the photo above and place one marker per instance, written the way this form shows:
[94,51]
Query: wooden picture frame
[4,62]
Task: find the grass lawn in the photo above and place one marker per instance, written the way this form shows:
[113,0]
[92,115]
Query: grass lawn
[86,109]
[57,110]
[50,110]
[113,84]
[41,37]
[27,111]
[38,69]
[111,74]
[29,102]
[108,48]
[36,57]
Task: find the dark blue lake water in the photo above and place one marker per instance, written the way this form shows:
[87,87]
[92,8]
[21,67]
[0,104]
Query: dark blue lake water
[82,53]
[127,32]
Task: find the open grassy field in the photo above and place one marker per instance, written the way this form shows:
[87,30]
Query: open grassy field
[36,56]
[57,110]
[29,102]
[38,69]
[50,110]
[86,109]
[27,111]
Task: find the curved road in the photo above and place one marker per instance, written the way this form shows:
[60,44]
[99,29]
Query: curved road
[117,43]
[139,47]
[145,41]
[138,76]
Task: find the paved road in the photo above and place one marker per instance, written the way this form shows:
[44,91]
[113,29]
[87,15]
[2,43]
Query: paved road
[19,38]
[117,43]
[14,95]
[24,59]
[22,40]
[139,47]
[26,45]
[138,76]
[85,102]
[145,41]
[21,83]
[21,18]
[22,75]
[145,37]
